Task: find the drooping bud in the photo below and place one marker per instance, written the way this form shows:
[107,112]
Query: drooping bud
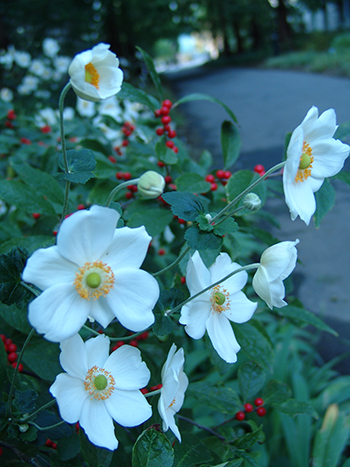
[151,184]
[252,202]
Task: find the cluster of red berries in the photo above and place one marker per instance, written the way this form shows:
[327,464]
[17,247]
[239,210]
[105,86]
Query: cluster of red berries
[152,388]
[24,140]
[128,129]
[133,342]
[10,117]
[163,114]
[220,175]
[259,169]
[11,350]
[260,410]
[50,444]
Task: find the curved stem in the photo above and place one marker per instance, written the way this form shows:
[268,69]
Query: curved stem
[201,426]
[64,150]
[116,339]
[43,428]
[174,263]
[118,188]
[28,417]
[236,271]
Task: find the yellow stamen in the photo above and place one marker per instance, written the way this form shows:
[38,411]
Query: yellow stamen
[91,75]
[93,280]
[305,164]
[94,376]
[220,299]
[172,403]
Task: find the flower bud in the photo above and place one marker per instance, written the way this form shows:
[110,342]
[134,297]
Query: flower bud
[23,428]
[252,202]
[151,184]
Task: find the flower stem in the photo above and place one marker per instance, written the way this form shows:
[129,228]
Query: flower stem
[64,150]
[174,263]
[152,393]
[28,417]
[236,271]
[201,426]
[114,339]
[118,188]
[43,428]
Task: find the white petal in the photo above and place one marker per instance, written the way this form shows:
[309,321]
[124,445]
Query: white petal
[195,314]
[73,358]
[86,234]
[197,275]
[128,408]
[133,297]
[294,151]
[127,368]
[70,395]
[222,337]
[168,361]
[300,200]
[164,413]
[97,350]
[234,283]
[101,311]
[46,267]
[241,308]
[329,157]
[98,424]
[279,259]
[58,313]
[278,293]
[322,127]
[127,249]
[172,425]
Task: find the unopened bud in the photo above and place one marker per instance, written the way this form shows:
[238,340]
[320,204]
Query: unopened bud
[252,202]
[23,428]
[151,184]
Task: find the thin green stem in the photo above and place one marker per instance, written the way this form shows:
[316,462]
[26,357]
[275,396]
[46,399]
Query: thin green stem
[31,289]
[249,189]
[236,271]
[12,388]
[64,150]
[118,188]
[44,428]
[174,263]
[116,339]
[201,426]
[153,393]
[28,417]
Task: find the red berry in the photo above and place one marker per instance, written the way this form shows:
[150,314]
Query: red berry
[129,194]
[133,343]
[169,144]
[144,390]
[168,179]
[80,207]
[248,407]
[167,128]
[164,110]
[160,164]
[261,411]
[166,119]
[240,416]
[36,215]
[258,401]
[181,221]
[143,336]
[220,173]
[126,132]
[20,366]
[112,159]
[54,233]
[48,443]
[159,386]
[3,338]
[167,103]
[173,186]
[127,176]
[160,131]
[157,113]
[125,142]
[161,252]
[11,114]
[227,174]
[8,342]
[117,345]
[11,348]
[183,280]
[25,141]
[175,149]
[210,178]
[0,451]
[46,129]
[172,133]
[213,186]
[12,357]
[119,175]
[9,124]
[259,168]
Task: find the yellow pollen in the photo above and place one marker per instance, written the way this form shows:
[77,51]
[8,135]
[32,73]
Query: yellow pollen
[220,299]
[305,164]
[172,403]
[91,289]
[91,75]
[90,386]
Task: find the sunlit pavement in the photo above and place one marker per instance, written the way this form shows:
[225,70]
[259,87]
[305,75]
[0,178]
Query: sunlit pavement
[268,104]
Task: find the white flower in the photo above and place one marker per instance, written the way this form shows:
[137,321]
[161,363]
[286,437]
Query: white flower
[151,184]
[93,271]
[94,74]
[98,388]
[50,47]
[110,107]
[62,63]
[276,264]
[6,59]
[174,385]
[31,82]
[68,113]
[85,108]
[6,94]
[22,58]
[312,155]
[37,67]
[46,116]
[213,310]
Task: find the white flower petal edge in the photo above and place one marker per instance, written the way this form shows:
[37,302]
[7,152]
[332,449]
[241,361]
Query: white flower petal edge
[98,388]
[312,155]
[174,385]
[95,74]
[276,264]
[213,310]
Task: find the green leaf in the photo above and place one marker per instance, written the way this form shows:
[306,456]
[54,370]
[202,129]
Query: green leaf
[294,407]
[230,142]
[220,398]
[248,440]
[170,157]
[95,146]
[69,448]
[168,299]
[25,400]
[199,240]
[153,216]
[254,344]
[11,267]
[193,183]
[46,418]
[163,325]
[225,227]
[203,223]
[344,176]
[152,71]
[205,97]
[276,392]
[240,181]
[42,358]
[251,378]
[343,131]
[186,206]
[15,317]
[152,449]
[325,199]
[81,164]
[305,316]
[137,95]
[30,244]
[93,455]
[16,193]
[190,452]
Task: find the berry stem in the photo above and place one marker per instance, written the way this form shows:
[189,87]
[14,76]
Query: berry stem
[201,426]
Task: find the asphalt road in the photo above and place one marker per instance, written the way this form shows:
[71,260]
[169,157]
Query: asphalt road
[268,104]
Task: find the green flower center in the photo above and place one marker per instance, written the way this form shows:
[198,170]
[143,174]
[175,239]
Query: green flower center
[219,298]
[93,280]
[100,382]
[305,161]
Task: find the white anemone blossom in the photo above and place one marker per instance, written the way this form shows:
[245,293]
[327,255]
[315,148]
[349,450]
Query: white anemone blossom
[276,264]
[93,272]
[213,310]
[174,385]
[98,388]
[95,74]
[312,155]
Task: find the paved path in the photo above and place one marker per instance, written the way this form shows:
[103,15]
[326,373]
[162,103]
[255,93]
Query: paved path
[268,104]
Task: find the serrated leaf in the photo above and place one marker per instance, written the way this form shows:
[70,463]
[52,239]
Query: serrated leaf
[230,143]
[220,398]
[199,240]
[325,199]
[11,267]
[190,452]
[203,223]
[152,71]
[81,165]
[251,378]
[293,407]
[152,449]
[192,183]
[137,95]
[305,316]
[186,206]
[226,227]
[205,97]
[163,325]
